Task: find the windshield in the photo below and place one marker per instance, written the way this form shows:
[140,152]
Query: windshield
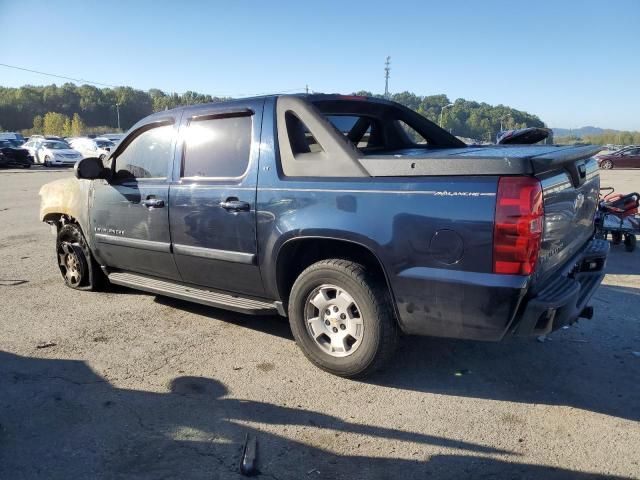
[56,145]
[5,143]
[105,143]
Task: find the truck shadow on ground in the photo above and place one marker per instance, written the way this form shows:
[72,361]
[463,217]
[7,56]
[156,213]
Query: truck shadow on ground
[578,367]
[59,419]
[269,324]
[588,366]
[621,262]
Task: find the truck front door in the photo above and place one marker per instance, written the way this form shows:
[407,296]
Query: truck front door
[129,214]
[212,209]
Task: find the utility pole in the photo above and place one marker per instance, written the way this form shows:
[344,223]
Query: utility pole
[118,113]
[306,89]
[387,69]
[442,111]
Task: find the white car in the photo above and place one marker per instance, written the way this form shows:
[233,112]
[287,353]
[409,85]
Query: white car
[93,147]
[52,152]
[113,137]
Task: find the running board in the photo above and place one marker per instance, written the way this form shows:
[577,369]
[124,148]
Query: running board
[195,294]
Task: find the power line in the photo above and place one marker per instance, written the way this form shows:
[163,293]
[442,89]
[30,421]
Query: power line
[57,76]
[82,80]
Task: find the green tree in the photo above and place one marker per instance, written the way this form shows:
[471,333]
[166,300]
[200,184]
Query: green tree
[38,124]
[66,129]
[77,125]
[54,123]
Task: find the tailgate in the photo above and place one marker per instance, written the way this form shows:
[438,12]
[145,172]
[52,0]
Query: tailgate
[570,188]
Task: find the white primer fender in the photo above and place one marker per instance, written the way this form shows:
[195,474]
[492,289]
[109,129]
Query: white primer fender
[68,197]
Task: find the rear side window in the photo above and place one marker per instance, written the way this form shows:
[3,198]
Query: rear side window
[217,147]
[148,155]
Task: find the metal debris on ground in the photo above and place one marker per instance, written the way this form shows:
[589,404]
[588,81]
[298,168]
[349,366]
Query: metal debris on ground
[46,344]
[248,462]
[12,283]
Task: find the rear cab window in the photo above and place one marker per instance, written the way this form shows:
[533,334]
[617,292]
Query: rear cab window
[375,128]
[357,129]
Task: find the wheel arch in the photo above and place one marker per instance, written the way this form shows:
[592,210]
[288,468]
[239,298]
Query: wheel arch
[296,254]
[59,219]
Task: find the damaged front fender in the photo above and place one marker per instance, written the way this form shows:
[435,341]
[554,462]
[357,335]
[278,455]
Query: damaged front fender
[65,198]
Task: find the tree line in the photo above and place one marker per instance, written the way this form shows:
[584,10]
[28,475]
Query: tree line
[36,109]
[479,121]
[606,138]
[23,108]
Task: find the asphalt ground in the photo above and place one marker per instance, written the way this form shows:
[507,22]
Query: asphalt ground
[134,385]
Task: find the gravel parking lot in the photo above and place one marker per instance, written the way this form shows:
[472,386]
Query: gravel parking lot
[139,386]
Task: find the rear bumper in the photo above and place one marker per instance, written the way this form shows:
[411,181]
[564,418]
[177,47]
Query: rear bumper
[564,298]
[484,306]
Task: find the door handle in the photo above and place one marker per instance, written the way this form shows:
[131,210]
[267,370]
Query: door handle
[234,205]
[153,202]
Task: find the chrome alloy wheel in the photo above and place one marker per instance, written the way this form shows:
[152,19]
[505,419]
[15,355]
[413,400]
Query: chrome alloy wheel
[333,320]
[71,264]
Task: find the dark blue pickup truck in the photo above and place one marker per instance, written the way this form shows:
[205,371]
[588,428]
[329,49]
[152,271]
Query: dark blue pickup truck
[355,217]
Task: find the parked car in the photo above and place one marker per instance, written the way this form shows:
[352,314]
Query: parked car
[52,152]
[13,136]
[12,156]
[626,158]
[263,206]
[46,137]
[113,137]
[15,143]
[93,147]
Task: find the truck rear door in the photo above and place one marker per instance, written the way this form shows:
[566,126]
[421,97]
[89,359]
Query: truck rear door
[212,210]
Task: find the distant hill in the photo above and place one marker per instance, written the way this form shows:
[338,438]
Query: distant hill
[580,132]
[596,136]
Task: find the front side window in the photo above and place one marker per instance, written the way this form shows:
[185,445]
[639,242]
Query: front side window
[217,147]
[148,155]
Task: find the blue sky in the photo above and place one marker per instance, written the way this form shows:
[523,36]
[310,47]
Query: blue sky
[573,63]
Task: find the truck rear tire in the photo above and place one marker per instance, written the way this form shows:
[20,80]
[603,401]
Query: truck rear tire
[78,268]
[342,319]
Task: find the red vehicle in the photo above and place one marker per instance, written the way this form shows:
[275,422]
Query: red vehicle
[626,158]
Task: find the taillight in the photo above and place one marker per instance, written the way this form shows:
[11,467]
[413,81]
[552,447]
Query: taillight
[518,225]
